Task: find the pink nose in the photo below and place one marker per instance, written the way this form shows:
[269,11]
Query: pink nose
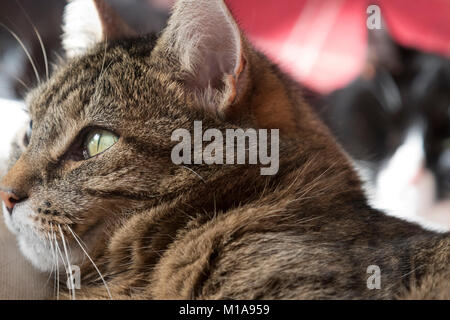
[10,200]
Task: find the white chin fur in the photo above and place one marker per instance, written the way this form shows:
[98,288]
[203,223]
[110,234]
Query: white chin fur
[37,253]
[35,247]
[7,219]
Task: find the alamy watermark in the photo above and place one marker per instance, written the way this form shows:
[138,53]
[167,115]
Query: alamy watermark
[239,146]
[374,280]
[374,19]
[74,278]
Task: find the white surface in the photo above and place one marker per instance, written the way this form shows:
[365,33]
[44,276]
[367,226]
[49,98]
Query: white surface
[12,118]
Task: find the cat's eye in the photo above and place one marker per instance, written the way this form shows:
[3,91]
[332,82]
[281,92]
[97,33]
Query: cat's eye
[98,141]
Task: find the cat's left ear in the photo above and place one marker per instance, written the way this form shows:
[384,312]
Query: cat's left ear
[206,41]
[88,22]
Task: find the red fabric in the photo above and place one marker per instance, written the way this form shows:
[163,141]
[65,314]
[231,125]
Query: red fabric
[420,23]
[323,43]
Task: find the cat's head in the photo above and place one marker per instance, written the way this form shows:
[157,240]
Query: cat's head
[99,144]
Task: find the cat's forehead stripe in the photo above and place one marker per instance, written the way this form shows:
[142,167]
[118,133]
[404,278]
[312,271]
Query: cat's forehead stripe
[83,73]
[80,75]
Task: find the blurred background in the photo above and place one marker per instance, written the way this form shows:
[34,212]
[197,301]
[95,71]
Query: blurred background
[384,93]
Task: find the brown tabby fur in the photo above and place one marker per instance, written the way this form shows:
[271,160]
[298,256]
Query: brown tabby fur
[161,231]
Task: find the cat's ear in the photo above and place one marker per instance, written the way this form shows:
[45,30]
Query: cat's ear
[88,22]
[203,36]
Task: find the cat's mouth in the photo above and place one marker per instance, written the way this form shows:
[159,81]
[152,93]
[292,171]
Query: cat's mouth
[43,247]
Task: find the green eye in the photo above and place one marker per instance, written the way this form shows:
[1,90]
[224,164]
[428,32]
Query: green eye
[99,141]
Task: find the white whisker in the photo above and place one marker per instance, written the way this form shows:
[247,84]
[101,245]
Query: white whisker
[57,263]
[53,265]
[68,261]
[90,259]
[41,43]
[24,49]
[44,52]
[201,178]
[55,257]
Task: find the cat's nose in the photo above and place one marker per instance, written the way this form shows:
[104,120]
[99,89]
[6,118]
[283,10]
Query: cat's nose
[15,185]
[10,200]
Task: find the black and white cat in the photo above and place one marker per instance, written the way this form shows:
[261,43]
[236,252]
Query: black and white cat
[394,120]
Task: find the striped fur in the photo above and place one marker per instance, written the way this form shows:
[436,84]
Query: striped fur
[157,230]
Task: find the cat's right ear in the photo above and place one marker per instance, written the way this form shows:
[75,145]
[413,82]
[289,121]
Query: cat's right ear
[88,22]
[204,38]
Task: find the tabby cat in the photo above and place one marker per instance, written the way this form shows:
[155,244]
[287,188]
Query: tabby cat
[95,185]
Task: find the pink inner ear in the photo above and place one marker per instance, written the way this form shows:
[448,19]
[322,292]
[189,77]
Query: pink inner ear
[204,36]
[215,65]
[206,40]
[235,81]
